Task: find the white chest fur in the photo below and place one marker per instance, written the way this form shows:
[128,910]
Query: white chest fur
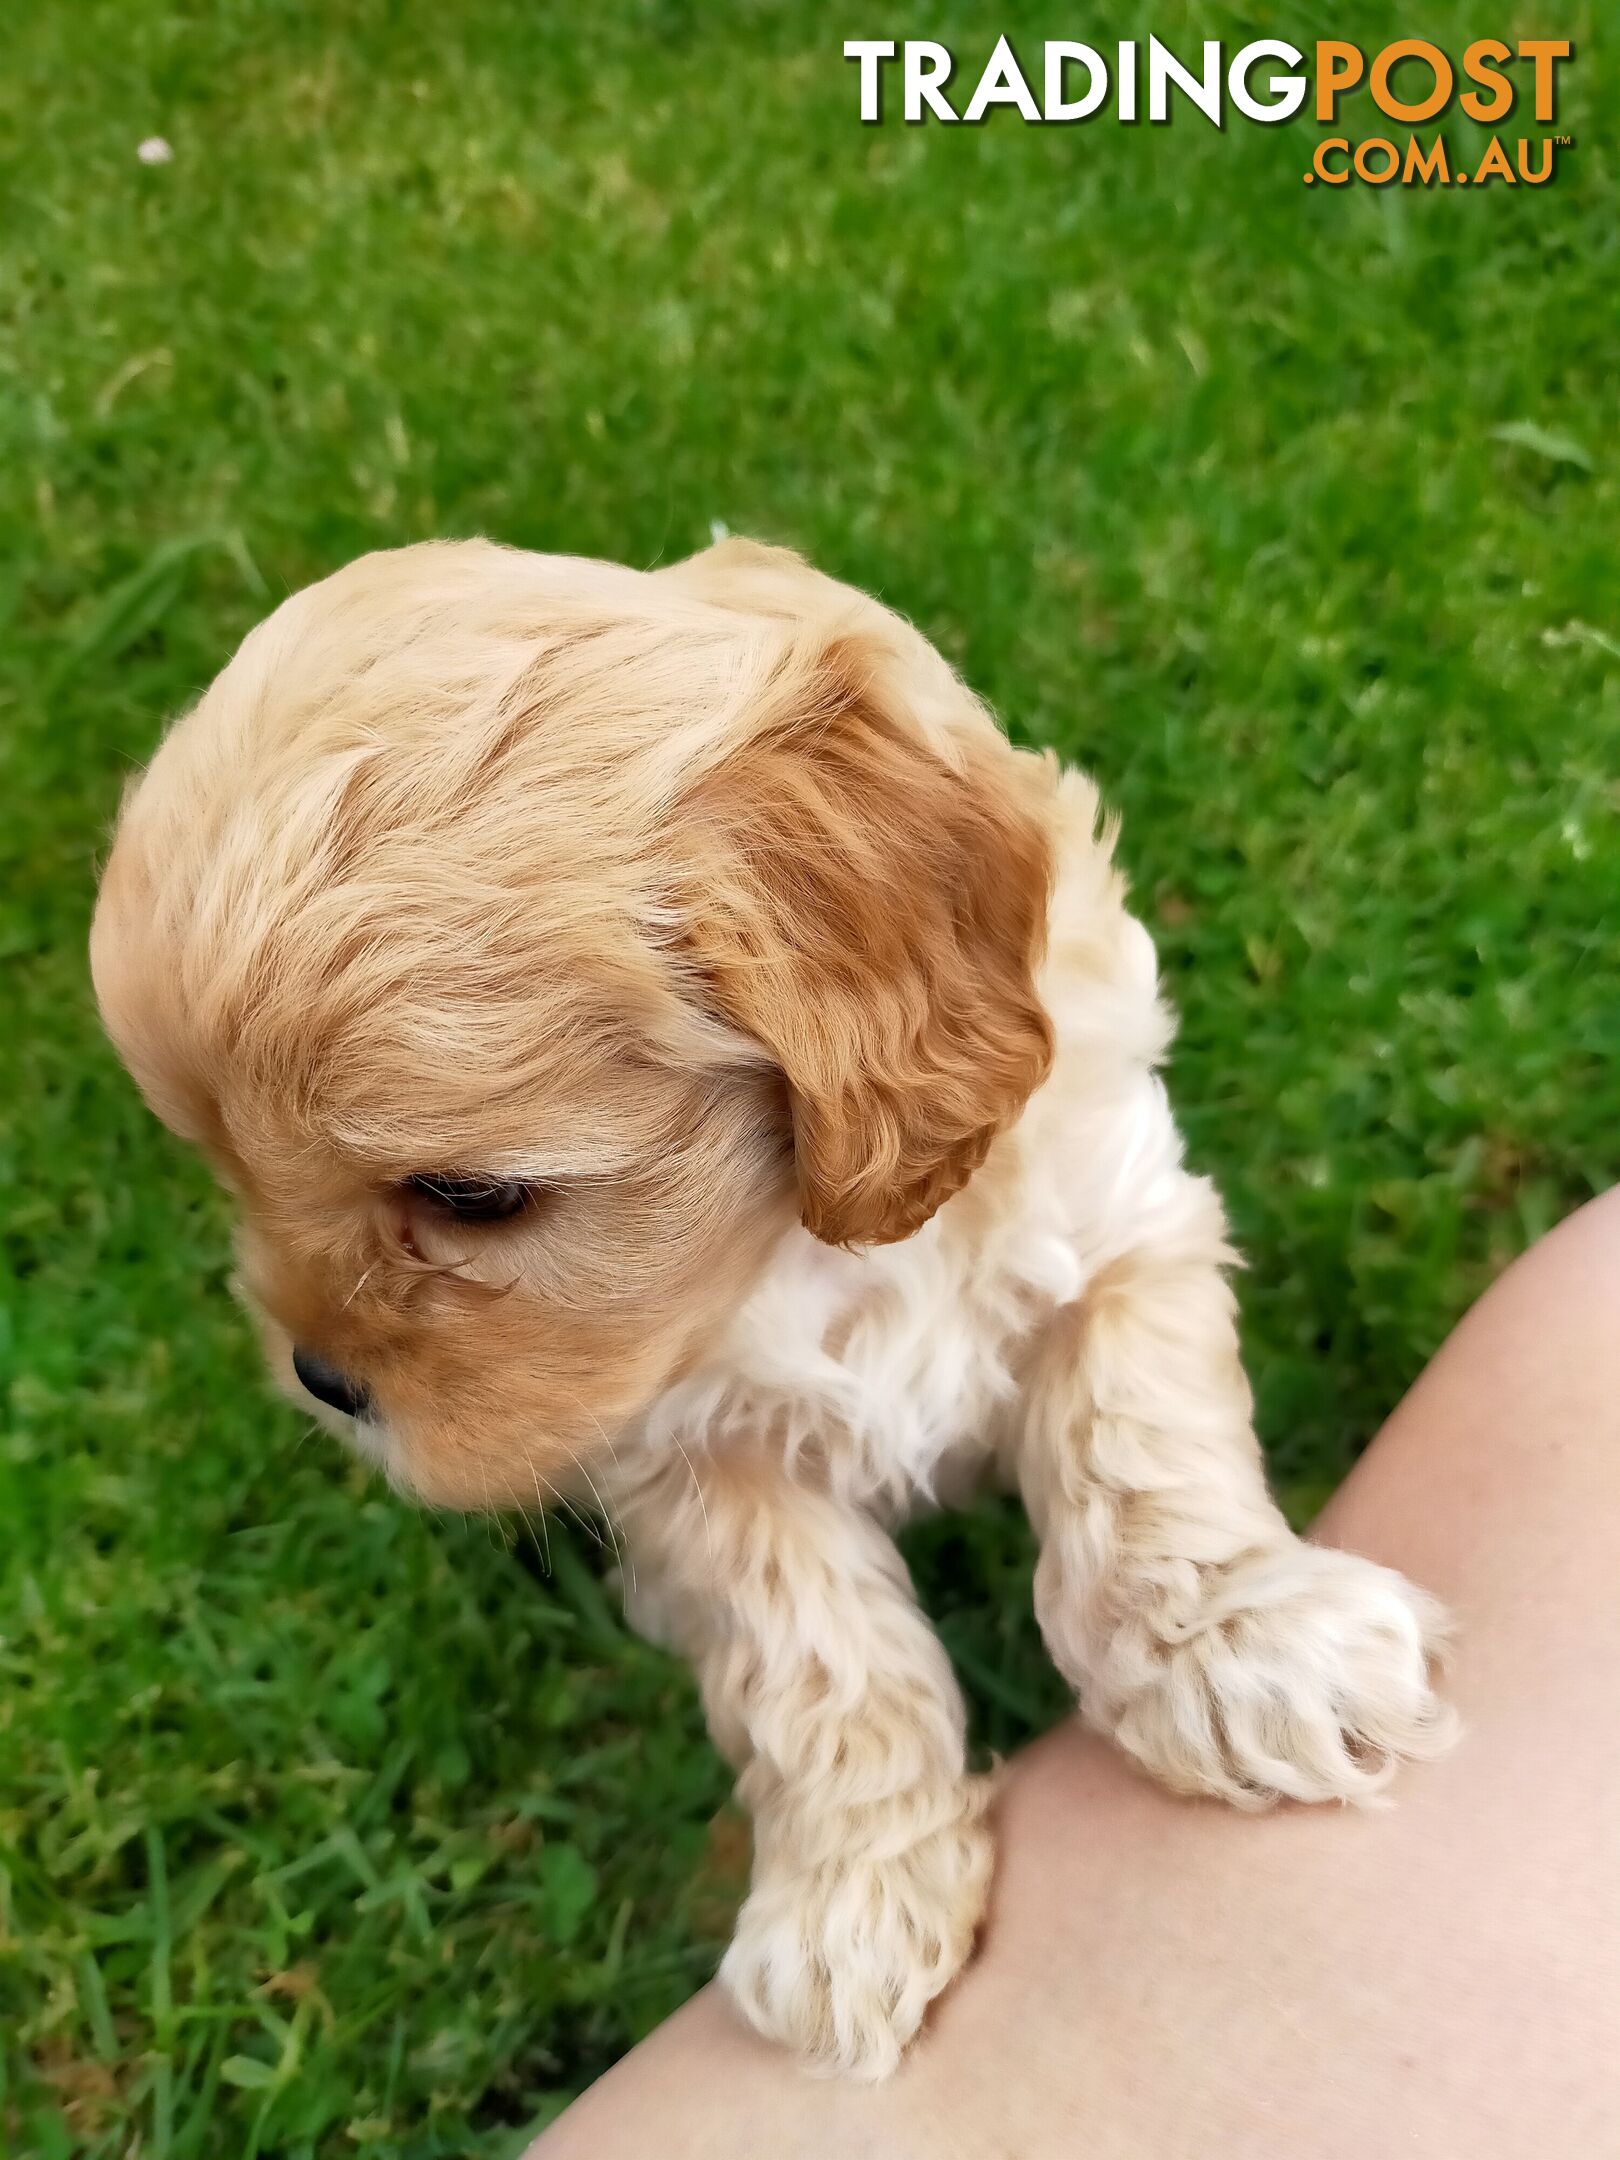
[893,1366]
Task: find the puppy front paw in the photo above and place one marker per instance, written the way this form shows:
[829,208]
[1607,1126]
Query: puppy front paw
[1295,1672]
[840,1957]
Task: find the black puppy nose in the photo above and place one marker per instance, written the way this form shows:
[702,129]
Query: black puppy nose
[329,1386]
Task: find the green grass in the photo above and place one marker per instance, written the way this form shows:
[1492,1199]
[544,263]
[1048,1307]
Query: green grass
[324,1826]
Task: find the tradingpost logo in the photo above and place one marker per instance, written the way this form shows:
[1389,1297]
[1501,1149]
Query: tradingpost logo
[1414,85]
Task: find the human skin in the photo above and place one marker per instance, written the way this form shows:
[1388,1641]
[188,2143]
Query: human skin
[1165,1979]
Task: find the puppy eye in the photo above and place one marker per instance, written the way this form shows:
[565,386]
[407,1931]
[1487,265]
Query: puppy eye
[472,1199]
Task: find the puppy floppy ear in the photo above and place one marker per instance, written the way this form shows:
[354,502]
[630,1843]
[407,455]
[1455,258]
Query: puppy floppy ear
[869,877]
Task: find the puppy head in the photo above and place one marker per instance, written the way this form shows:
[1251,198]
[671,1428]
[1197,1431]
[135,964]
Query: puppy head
[528,942]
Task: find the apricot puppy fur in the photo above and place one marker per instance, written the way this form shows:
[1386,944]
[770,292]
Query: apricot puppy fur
[669,1048]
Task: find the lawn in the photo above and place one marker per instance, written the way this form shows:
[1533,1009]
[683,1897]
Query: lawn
[326,1826]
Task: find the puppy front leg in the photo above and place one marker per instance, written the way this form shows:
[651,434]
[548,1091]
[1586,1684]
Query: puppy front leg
[825,1685]
[1224,1653]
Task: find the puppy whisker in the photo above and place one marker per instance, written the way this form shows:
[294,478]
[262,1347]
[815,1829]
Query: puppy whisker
[697,1487]
[545,1526]
[604,1511]
[624,1558]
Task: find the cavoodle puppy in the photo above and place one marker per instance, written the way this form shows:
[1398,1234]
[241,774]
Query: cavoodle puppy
[669,1048]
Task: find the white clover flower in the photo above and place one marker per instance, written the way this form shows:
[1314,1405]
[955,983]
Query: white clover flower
[154,151]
